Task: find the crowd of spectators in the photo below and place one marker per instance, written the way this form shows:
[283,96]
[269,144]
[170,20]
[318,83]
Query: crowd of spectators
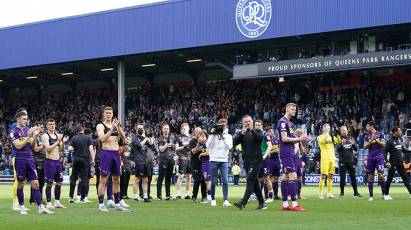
[320,100]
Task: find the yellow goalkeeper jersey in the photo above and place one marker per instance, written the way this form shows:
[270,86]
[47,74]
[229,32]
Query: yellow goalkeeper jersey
[326,147]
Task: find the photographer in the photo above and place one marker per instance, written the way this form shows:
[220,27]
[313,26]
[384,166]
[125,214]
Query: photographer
[139,146]
[166,144]
[218,145]
[250,139]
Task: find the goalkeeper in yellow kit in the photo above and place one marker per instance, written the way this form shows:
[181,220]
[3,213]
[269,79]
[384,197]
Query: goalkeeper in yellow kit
[327,162]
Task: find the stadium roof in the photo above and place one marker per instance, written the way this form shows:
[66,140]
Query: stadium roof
[181,24]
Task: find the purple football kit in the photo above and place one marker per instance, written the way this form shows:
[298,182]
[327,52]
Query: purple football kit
[286,149]
[110,161]
[205,167]
[288,188]
[375,159]
[24,164]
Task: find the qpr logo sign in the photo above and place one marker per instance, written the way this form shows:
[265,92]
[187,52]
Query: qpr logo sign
[253,17]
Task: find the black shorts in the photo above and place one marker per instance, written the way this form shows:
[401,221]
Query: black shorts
[142,170]
[184,166]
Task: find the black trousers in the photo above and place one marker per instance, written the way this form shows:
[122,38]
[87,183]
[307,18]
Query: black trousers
[124,182]
[140,184]
[40,175]
[165,172]
[253,184]
[399,167]
[236,179]
[199,181]
[344,168]
[81,168]
[97,174]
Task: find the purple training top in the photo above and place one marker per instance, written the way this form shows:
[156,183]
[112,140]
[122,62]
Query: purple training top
[375,150]
[22,134]
[286,149]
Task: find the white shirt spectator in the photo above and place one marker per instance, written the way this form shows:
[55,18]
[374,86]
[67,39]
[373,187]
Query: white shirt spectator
[219,148]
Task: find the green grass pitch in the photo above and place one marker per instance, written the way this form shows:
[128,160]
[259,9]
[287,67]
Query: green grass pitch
[347,214]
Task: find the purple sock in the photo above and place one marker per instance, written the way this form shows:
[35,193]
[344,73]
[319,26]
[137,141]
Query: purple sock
[37,196]
[48,193]
[109,192]
[275,188]
[57,192]
[117,198]
[79,189]
[292,190]
[101,199]
[284,190]
[371,188]
[382,183]
[20,196]
[299,184]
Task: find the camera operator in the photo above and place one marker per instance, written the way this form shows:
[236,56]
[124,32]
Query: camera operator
[218,145]
[139,146]
[166,166]
[250,139]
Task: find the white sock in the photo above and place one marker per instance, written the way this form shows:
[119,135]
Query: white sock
[294,203]
[145,196]
[22,206]
[78,197]
[48,203]
[135,196]
[285,204]
[57,202]
[40,206]
[178,193]
[101,205]
[187,193]
[208,197]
